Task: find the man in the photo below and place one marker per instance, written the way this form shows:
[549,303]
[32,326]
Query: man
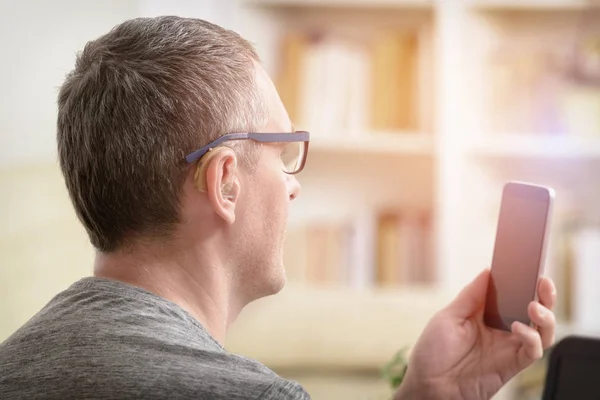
[187,212]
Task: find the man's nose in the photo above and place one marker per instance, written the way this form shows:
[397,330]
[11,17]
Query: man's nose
[293,187]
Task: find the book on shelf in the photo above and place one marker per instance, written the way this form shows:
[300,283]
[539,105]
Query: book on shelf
[384,249]
[573,263]
[404,248]
[336,85]
[545,87]
[583,278]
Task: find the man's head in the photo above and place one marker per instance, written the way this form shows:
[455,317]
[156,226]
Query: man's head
[139,100]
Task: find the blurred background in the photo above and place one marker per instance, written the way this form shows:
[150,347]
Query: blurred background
[420,111]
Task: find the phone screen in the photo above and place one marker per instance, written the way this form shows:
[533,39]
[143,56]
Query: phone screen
[517,255]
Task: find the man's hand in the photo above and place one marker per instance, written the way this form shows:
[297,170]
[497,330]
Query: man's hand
[459,357]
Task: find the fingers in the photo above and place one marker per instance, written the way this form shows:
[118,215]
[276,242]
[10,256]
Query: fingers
[472,298]
[530,340]
[547,292]
[545,321]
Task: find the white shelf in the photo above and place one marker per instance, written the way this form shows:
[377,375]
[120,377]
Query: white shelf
[406,143]
[537,146]
[343,3]
[531,5]
[337,328]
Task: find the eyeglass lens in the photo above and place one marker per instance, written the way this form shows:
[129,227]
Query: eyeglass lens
[292,156]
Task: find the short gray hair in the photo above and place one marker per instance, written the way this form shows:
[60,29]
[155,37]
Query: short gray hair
[139,99]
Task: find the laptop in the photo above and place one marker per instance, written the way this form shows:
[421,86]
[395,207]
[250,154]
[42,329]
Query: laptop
[574,370]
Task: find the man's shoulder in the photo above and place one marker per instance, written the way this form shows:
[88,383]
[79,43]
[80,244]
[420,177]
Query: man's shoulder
[284,389]
[236,377]
[249,372]
[91,344]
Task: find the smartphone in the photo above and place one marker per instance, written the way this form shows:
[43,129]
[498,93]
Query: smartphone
[519,253]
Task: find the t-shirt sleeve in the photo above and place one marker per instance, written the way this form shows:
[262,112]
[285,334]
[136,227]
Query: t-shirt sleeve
[285,390]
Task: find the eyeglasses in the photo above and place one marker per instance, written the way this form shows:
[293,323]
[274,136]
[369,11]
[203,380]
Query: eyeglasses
[293,154]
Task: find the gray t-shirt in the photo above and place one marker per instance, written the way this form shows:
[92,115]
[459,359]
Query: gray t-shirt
[103,339]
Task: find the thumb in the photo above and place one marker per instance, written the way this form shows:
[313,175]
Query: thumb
[471,298]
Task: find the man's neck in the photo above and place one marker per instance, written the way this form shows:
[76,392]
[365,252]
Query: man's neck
[195,280]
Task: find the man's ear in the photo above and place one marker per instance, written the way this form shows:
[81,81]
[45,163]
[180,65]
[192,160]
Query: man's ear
[221,182]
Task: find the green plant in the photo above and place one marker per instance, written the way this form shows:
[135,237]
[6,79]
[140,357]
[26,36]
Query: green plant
[395,370]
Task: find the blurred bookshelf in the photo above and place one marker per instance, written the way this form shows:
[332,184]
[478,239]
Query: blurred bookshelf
[406,143]
[537,147]
[420,111]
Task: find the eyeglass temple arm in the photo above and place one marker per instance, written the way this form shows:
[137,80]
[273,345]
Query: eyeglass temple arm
[200,152]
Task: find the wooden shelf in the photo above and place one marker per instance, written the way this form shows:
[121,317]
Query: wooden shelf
[376,143]
[331,328]
[419,4]
[536,146]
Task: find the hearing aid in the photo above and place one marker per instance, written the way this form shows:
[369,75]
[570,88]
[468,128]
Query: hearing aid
[226,191]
